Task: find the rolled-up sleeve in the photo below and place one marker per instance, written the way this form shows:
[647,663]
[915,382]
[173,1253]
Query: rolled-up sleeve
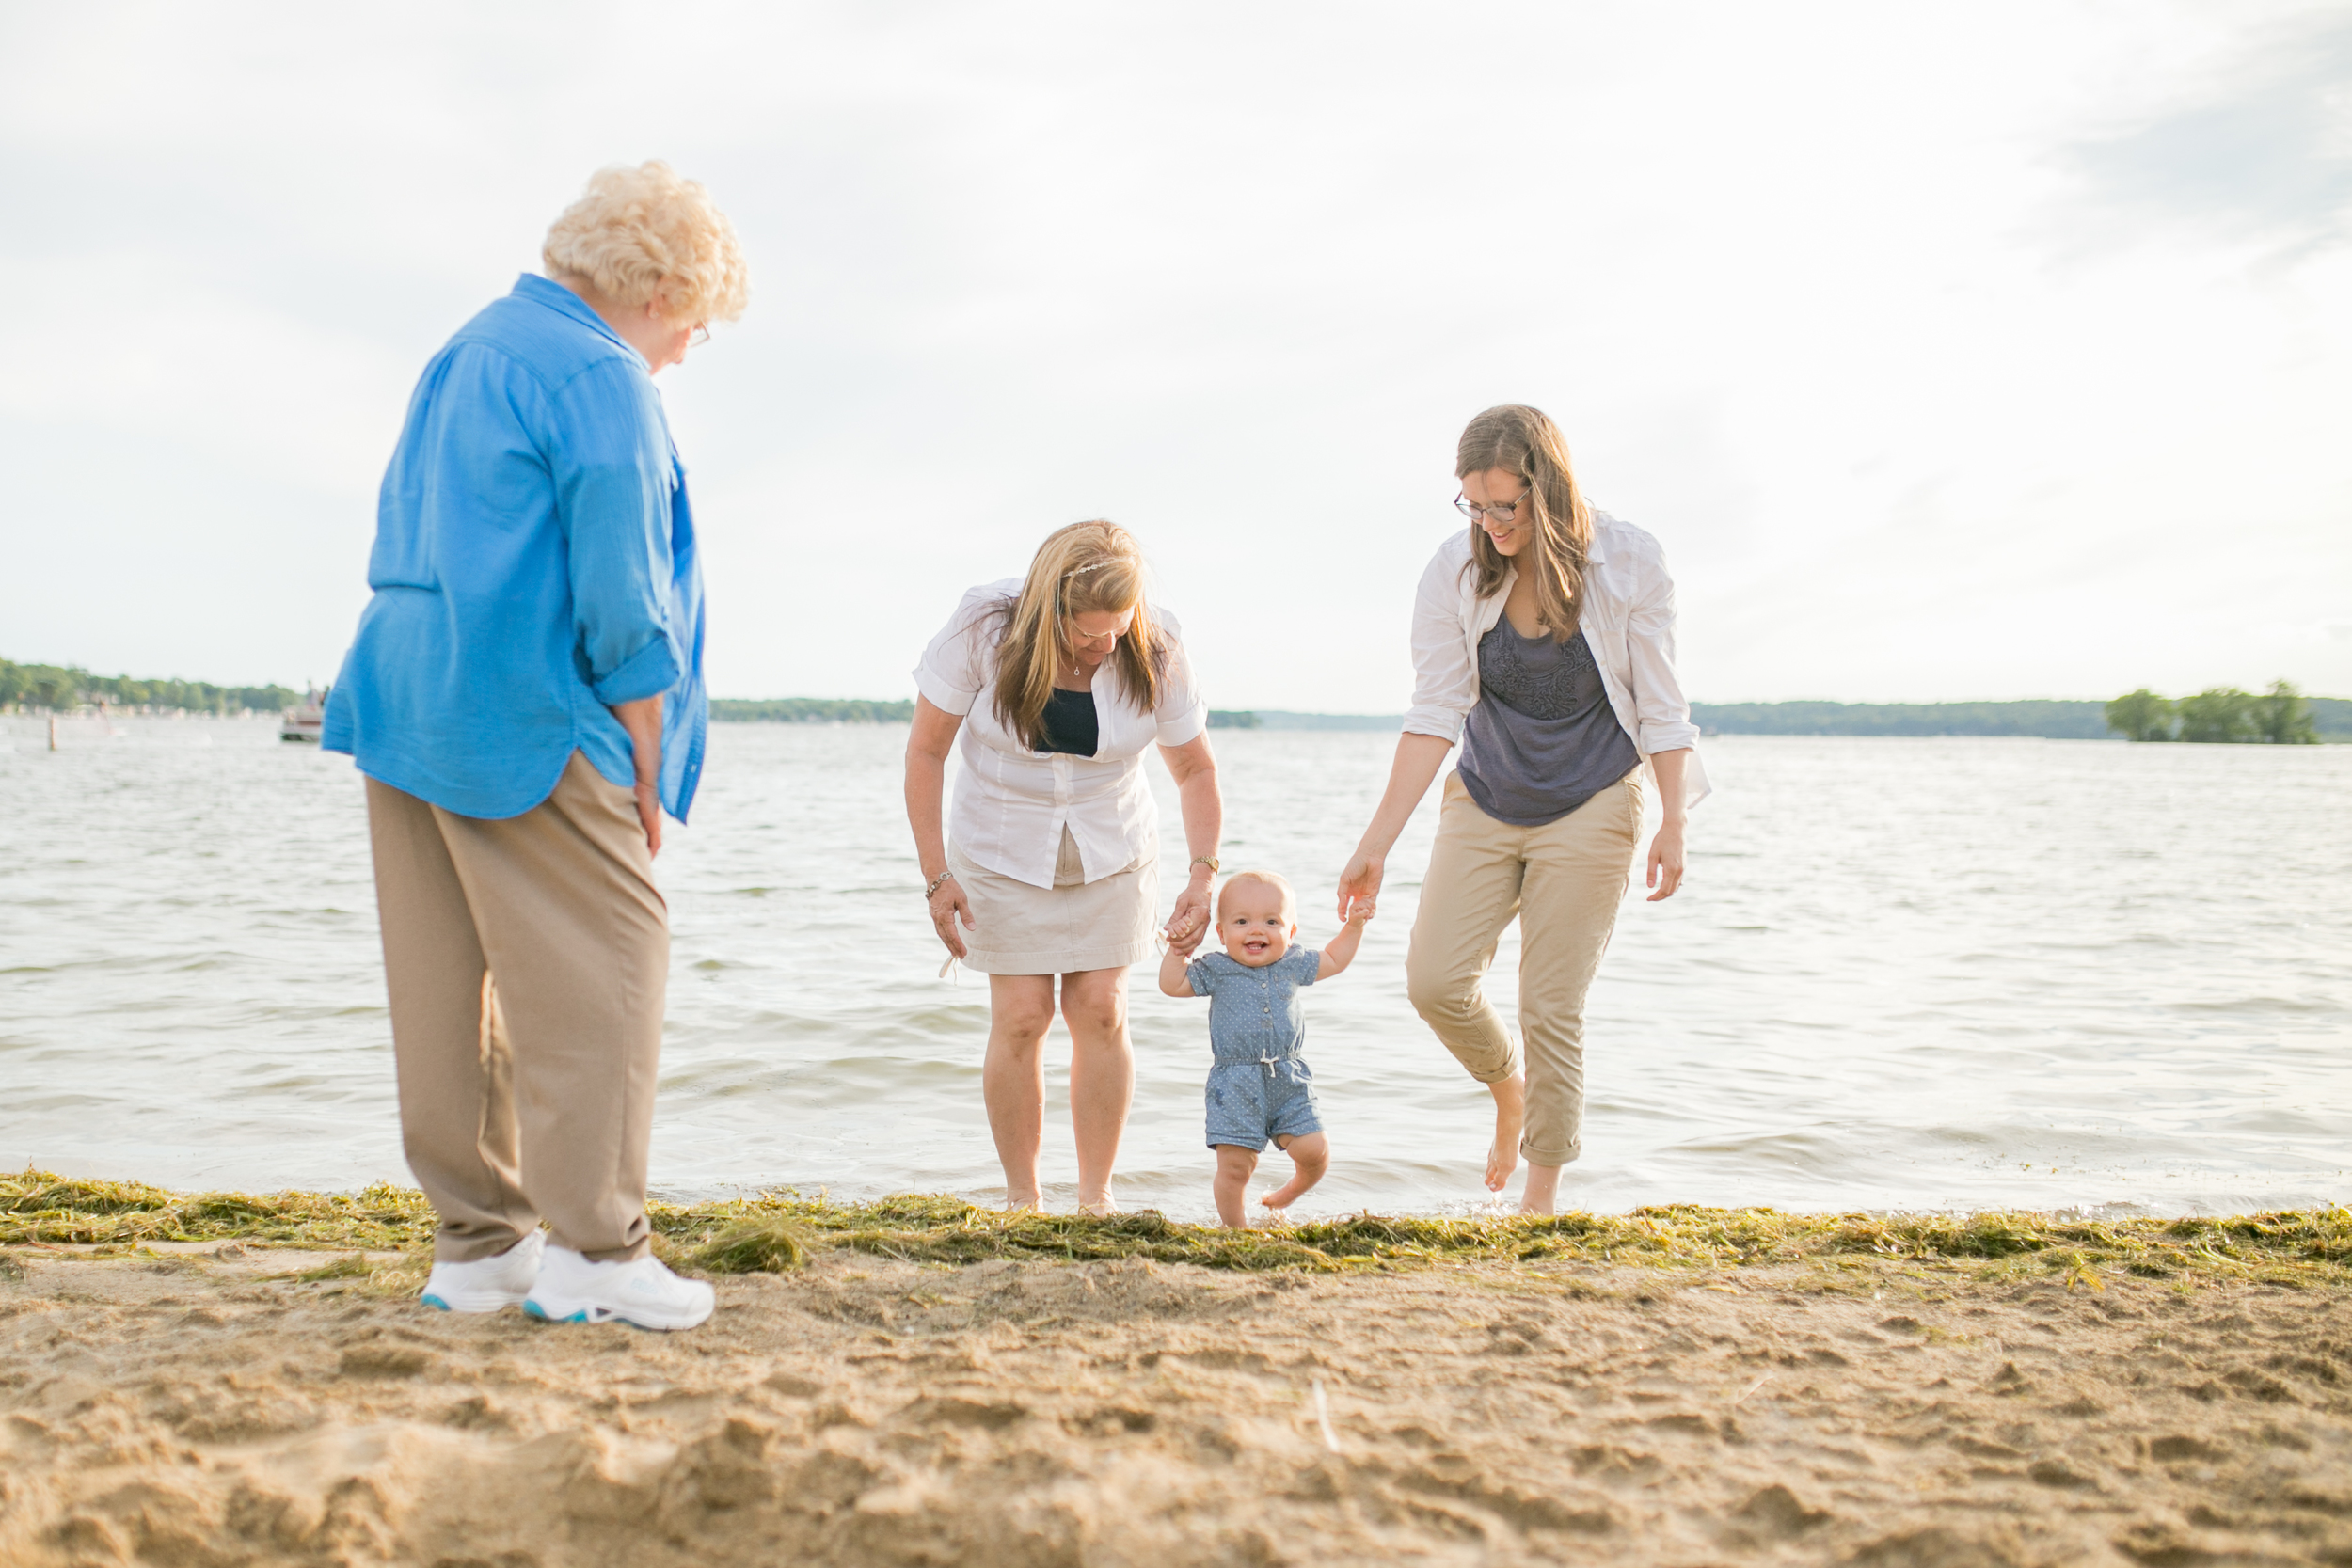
[952,672]
[611,464]
[1664,712]
[1445,688]
[1180,714]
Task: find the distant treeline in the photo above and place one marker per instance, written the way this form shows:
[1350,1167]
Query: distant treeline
[809,710]
[65,687]
[859,710]
[2051,721]
[2331,717]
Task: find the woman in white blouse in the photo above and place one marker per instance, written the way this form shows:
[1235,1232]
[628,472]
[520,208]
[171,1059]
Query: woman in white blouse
[1051,688]
[1543,643]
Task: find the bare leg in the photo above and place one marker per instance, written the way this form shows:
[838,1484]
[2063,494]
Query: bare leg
[1502,1157]
[1311,1156]
[1235,1167]
[1542,1192]
[1102,1078]
[1012,1078]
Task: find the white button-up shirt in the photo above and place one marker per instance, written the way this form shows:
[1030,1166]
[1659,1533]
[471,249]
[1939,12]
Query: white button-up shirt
[1628,618]
[1012,803]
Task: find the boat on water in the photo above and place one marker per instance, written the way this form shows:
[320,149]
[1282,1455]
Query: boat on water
[307,719]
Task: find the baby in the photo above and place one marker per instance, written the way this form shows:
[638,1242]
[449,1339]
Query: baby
[1260,1087]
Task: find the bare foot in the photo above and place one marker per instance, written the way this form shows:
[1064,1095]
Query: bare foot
[1311,1155]
[1510,1116]
[1276,1213]
[1102,1209]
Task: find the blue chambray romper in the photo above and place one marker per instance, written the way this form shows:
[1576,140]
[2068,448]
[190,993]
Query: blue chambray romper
[1259,1087]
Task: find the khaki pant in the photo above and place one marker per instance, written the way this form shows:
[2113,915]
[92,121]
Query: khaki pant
[534,1097]
[1564,881]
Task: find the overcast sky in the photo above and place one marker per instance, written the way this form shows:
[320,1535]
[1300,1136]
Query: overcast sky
[1961,351]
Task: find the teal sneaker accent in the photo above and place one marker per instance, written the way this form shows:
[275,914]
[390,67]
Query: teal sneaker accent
[435,1303]
[533,1309]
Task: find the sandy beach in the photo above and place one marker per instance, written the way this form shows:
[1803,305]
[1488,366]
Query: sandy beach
[207,1403]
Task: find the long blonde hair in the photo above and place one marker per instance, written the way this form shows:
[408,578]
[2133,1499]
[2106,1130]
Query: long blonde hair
[1083,569]
[1524,442]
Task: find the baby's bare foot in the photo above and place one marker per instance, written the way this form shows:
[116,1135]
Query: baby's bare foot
[1502,1157]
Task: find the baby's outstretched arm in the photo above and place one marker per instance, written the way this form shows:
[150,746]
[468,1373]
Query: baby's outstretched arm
[1173,980]
[1340,952]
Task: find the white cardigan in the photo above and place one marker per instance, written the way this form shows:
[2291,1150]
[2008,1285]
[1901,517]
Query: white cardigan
[1012,803]
[1628,618]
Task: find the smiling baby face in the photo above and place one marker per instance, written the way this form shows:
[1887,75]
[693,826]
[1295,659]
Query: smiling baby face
[1256,918]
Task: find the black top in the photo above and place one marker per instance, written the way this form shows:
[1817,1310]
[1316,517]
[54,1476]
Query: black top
[1542,739]
[1071,724]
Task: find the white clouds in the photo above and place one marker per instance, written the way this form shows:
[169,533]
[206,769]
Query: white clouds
[1236,275]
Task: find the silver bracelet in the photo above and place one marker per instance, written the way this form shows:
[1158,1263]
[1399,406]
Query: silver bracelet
[935,883]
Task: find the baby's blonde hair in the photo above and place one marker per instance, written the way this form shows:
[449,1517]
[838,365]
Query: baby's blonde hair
[1264,879]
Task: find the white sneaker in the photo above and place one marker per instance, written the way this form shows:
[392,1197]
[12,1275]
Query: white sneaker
[486,1284]
[643,1295]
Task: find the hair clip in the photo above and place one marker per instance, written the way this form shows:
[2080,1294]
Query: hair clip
[1081,571]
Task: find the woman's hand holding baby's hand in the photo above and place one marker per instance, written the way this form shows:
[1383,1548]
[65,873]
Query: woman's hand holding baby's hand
[1190,921]
[1360,884]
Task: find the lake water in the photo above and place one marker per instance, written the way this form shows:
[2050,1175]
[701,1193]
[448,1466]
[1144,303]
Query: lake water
[1904,974]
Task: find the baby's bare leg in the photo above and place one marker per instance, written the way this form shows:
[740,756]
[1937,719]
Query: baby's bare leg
[1235,1167]
[1311,1156]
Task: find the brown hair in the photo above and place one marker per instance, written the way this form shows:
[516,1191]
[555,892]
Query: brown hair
[1524,442]
[1082,569]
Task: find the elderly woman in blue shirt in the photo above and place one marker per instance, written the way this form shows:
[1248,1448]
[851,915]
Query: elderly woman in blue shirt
[525,698]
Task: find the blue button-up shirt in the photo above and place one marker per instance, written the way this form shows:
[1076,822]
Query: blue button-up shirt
[534,563]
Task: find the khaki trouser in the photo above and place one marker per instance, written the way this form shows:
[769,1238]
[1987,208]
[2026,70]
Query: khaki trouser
[534,1099]
[1564,881]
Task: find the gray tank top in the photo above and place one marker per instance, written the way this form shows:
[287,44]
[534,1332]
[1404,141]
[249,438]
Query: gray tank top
[1542,739]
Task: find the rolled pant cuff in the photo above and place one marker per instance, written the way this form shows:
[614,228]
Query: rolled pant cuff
[474,1246]
[1534,1156]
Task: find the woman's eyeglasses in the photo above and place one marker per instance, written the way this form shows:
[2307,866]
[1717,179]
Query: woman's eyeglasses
[1501,513]
[1079,633]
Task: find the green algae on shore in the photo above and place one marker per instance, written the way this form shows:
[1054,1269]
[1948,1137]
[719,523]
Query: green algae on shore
[777,1230]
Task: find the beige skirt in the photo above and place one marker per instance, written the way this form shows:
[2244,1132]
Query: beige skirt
[1072,925]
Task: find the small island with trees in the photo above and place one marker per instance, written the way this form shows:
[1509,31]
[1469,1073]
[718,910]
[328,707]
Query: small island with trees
[2219,715]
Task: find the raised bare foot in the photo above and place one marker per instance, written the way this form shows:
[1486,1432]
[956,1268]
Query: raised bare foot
[1503,1158]
[1276,1213]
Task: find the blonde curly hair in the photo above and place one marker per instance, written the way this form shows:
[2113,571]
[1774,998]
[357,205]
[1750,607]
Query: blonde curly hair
[644,235]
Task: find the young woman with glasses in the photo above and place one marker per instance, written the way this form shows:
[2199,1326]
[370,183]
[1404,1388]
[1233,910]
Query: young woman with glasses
[1543,645]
